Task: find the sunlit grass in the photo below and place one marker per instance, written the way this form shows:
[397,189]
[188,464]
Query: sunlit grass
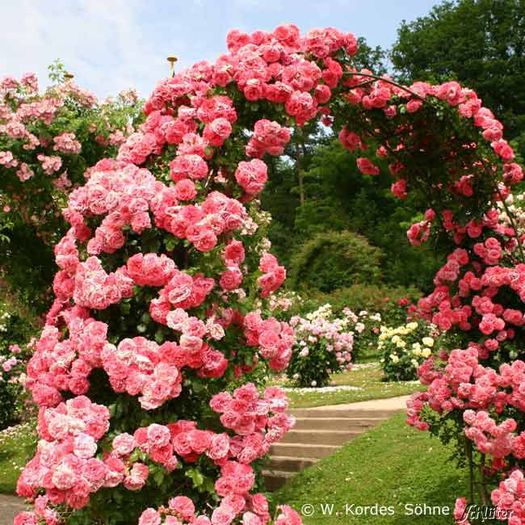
[367,380]
[392,465]
[17,445]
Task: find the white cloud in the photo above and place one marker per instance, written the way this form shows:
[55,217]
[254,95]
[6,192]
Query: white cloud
[100,41]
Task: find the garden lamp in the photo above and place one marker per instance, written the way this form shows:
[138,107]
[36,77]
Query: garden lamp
[172,59]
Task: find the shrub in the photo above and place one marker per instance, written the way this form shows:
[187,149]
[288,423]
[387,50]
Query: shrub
[332,260]
[390,302]
[404,348]
[16,328]
[323,346]
[366,332]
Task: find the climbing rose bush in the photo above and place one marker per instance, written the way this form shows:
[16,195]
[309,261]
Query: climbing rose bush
[143,371]
[323,346]
[478,301]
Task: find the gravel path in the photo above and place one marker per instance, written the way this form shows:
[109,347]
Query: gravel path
[10,506]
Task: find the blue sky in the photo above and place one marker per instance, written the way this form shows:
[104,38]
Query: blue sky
[114,44]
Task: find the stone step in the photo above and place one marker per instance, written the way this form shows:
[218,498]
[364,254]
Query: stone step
[320,432]
[336,423]
[319,437]
[317,433]
[302,450]
[339,413]
[275,479]
[289,463]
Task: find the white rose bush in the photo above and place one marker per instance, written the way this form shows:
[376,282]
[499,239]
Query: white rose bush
[404,348]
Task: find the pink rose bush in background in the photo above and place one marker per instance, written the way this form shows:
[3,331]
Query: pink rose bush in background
[145,370]
[15,329]
[48,138]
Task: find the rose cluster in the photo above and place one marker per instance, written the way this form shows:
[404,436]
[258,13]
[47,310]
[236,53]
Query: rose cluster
[258,422]
[509,498]
[64,363]
[268,137]
[65,463]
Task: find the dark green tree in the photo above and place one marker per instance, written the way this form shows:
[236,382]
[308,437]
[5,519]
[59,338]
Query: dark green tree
[332,260]
[373,58]
[338,197]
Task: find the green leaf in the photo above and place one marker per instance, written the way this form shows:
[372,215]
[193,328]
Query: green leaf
[158,477]
[196,477]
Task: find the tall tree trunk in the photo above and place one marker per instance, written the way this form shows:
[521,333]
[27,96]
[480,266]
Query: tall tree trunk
[299,156]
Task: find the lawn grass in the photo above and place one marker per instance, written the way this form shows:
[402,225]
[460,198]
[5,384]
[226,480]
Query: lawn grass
[369,382]
[392,465]
[17,446]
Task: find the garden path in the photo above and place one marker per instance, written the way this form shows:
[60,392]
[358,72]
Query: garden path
[10,506]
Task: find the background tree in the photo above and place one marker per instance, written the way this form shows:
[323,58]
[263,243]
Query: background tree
[338,197]
[330,260]
[374,58]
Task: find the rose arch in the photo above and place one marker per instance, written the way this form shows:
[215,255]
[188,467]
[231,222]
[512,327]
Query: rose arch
[147,370]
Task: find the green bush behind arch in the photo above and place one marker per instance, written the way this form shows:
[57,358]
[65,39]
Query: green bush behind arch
[332,260]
